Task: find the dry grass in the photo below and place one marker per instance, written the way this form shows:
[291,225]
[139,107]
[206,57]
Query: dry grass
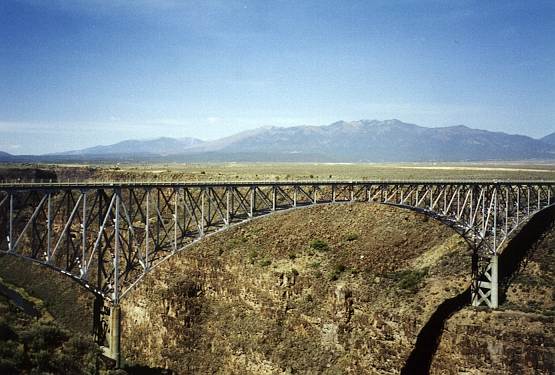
[289,171]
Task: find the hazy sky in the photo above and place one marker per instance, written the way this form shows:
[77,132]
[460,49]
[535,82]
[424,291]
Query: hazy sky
[76,73]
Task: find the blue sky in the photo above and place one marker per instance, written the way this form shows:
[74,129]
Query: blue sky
[75,73]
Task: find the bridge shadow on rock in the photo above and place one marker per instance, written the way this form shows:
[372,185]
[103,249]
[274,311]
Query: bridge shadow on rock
[511,261]
[420,359]
[144,370]
[522,246]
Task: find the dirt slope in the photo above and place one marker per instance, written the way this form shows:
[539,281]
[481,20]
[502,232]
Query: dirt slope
[328,289]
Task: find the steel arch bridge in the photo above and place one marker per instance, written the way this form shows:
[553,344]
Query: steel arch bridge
[107,236]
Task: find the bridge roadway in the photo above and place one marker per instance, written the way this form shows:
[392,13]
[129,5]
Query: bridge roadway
[108,235]
[246,183]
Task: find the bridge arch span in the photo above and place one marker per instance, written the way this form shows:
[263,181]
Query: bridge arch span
[99,293]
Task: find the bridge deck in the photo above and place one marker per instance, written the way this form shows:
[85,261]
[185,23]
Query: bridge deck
[240,183]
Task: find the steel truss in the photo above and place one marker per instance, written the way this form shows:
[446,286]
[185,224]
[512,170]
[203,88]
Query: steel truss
[108,236]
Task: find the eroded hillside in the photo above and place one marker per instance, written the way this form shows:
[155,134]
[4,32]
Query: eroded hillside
[328,289]
[323,289]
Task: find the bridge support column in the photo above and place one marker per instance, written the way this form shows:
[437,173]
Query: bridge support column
[115,334]
[485,286]
[494,282]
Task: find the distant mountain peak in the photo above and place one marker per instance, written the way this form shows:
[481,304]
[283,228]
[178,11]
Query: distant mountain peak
[345,141]
[393,121]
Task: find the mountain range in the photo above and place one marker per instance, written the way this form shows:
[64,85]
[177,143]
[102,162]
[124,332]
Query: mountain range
[160,146]
[550,139]
[355,141]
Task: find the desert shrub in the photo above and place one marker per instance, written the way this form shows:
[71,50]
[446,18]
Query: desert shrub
[6,332]
[351,236]
[11,357]
[338,269]
[43,335]
[253,254]
[42,360]
[410,279]
[265,262]
[319,245]
[235,242]
[78,356]
[9,366]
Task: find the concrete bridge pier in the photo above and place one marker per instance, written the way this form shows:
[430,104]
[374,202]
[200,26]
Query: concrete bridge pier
[109,334]
[115,334]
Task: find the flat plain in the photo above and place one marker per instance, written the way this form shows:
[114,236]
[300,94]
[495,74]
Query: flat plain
[486,171]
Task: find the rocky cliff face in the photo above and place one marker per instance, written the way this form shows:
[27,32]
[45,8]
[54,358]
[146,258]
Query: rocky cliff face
[330,289]
[496,342]
[516,339]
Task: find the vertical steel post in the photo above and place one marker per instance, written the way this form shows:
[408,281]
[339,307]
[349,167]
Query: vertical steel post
[517,205]
[175,194]
[506,211]
[84,224]
[115,310]
[147,227]
[528,203]
[458,202]
[494,220]
[227,205]
[10,240]
[444,200]
[251,212]
[202,199]
[232,204]
[49,227]
[295,196]
[484,223]
[471,204]
[116,250]
[417,195]
[158,213]
[314,199]
[273,198]
[208,211]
